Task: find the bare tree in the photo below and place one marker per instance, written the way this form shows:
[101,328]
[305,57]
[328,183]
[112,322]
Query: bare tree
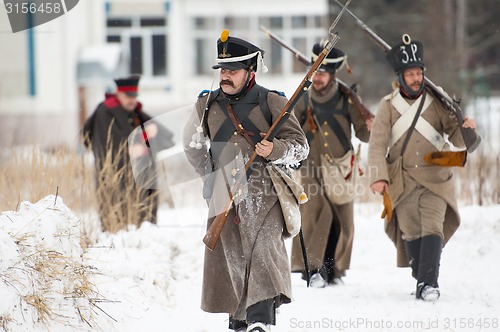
[462,43]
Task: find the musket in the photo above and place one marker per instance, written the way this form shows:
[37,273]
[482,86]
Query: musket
[356,100]
[470,136]
[213,233]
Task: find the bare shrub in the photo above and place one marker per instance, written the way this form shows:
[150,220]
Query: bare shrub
[31,173]
[46,275]
[121,202]
[478,181]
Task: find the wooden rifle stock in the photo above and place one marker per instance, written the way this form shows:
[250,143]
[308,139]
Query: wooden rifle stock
[470,136]
[356,100]
[213,233]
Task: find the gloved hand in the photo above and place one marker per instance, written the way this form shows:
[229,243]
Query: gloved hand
[387,207]
[446,158]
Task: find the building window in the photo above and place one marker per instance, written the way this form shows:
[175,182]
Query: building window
[136,58]
[159,55]
[119,23]
[144,42]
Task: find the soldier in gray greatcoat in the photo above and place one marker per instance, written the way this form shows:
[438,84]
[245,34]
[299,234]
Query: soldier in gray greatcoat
[121,198]
[425,208]
[329,121]
[247,275]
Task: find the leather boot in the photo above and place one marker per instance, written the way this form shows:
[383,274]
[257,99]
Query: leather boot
[263,312]
[412,249]
[428,267]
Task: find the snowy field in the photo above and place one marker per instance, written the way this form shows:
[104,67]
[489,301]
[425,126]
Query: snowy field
[149,279]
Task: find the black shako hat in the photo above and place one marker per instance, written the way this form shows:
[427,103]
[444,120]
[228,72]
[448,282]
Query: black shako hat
[235,53]
[128,85]
[332,62]
[406,54]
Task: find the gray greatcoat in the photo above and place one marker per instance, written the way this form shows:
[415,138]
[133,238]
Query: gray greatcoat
[249,263]
[107,132]
[319,214]
[416,172]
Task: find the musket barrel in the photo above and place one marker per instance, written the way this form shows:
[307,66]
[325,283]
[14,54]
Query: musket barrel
[299,56]
[365,28]
[363,111]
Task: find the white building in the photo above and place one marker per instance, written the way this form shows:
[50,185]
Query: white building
[46,70]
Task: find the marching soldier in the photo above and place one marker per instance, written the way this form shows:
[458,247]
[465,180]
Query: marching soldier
[408,131]
[247,275]
[327,117]
[121,200]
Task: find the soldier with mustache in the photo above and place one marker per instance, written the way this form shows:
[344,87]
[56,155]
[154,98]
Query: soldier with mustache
[247,275]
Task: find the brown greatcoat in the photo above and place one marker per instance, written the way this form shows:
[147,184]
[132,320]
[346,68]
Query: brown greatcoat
[249,263]
[319,214]
[416,172]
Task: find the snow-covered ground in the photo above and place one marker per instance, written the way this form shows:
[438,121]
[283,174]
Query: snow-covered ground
[149,279]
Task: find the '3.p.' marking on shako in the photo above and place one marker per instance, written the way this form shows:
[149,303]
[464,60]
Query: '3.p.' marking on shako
[408,53]
[409,50]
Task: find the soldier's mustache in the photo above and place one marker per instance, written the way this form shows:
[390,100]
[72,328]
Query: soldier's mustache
[228,82]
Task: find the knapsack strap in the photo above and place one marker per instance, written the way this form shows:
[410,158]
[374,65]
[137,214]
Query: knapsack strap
[412,126]
[329,117]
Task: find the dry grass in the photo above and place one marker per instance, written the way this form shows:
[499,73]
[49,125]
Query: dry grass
[4,322]
[42,276]
[30,173]
[57,287]
[120,201]
[482,175]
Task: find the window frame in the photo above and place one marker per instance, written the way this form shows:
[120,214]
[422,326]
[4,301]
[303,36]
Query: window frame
[146,34]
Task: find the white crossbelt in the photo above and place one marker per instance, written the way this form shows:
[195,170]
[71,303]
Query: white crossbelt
[408,112]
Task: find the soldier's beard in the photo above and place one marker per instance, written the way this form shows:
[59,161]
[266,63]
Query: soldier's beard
[322,88]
